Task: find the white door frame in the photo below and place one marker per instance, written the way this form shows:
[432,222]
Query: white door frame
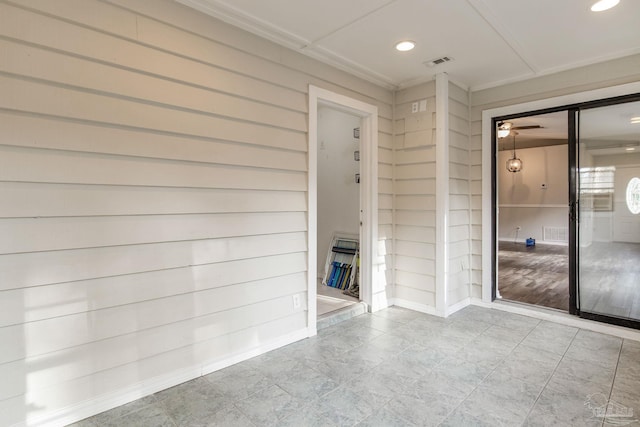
[368,194]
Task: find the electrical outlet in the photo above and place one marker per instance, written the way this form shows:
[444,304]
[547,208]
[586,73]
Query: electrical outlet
[414,107]
[296,301]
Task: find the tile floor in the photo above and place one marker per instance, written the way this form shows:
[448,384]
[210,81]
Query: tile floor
[480,367]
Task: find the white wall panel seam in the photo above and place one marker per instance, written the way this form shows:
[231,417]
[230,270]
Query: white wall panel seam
[146,45]
[144,101]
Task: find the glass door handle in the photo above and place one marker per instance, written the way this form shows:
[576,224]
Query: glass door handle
[573,212]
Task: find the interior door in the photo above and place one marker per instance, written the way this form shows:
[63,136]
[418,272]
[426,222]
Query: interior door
[608,199]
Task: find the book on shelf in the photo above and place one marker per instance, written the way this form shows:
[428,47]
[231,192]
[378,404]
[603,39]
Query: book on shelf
[342,275]
[339,267]
[336,273]
[332,276]
[347,276]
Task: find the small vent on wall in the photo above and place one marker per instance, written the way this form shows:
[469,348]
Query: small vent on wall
[555,234]
[438,61]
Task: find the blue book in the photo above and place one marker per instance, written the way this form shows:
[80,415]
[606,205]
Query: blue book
[340,276]
[334,273]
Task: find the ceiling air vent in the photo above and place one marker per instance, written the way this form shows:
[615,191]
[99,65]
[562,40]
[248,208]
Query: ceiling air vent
[438,61]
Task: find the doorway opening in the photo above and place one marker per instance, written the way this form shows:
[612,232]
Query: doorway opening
[367,189]
[338,210]
[532,210]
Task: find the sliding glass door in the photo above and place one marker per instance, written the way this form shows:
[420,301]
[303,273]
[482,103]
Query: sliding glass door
[603,256]
[607,212]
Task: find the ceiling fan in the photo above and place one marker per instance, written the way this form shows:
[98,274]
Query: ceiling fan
[505,128]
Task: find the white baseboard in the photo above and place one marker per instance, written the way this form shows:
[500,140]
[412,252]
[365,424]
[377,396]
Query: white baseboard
[458,306]
[422,308]
[209,367]
[538,242]
[398,302]
[82,410]
[560,317]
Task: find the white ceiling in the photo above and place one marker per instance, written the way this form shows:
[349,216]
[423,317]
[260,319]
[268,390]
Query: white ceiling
[491,41]
[610,123]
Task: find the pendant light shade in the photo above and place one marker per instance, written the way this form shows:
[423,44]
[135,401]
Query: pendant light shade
[514,164]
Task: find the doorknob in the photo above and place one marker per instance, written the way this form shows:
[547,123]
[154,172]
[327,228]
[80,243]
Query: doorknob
[573,211]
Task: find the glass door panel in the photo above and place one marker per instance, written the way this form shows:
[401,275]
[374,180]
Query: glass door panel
[608,192]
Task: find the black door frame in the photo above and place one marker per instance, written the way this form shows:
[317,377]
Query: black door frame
[573,117]
[494,193]
[574,237]
[620,321]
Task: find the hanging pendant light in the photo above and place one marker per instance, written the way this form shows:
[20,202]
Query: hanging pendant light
[514,164]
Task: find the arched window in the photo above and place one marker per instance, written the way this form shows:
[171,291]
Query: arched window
[633,195]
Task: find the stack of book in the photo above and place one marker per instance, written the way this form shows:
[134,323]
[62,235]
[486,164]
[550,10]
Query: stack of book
[340,275]
[344,254]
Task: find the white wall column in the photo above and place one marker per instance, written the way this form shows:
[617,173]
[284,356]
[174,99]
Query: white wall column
[442,191]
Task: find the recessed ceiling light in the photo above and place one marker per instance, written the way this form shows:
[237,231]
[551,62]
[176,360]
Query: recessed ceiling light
[405,45]
[630,148]
[635,120]
[602,5]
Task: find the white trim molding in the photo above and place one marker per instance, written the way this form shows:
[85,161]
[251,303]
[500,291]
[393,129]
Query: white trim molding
[368,196]
[415,306]
[534,206]
[552,315]
[442,193]
[79,411]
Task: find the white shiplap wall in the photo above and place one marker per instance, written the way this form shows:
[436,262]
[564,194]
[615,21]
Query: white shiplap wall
[415,201]
[415,204]
[153,177]
[458,284]
[385,211]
